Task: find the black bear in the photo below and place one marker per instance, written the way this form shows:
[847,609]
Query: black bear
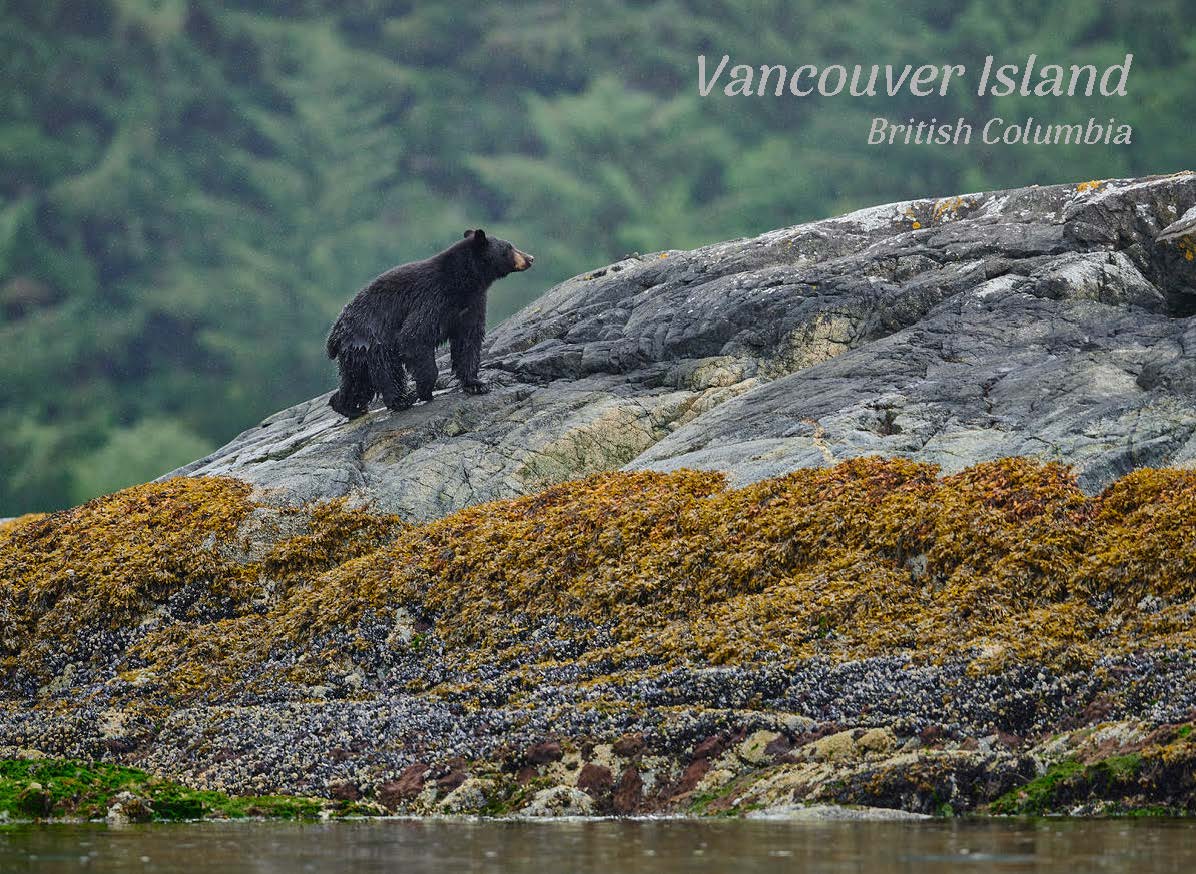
[393,326]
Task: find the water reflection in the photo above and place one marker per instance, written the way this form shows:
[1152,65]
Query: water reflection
[606,847]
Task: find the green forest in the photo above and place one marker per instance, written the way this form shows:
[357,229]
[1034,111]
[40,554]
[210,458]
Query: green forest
[190,190]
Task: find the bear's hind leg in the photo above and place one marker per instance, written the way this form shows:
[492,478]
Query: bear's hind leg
[422,365]
[398,373]
[356,391]
[382,375]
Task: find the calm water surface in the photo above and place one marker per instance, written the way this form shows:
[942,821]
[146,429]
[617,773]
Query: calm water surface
[609,847]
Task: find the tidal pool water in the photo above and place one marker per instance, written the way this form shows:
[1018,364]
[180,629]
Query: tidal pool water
[607,846]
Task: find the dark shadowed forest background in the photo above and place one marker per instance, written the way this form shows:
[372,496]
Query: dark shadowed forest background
[190,189]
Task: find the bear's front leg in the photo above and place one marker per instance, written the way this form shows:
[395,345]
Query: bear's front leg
[466,353]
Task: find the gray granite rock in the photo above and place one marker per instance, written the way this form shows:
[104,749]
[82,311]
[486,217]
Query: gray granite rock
[1048,321]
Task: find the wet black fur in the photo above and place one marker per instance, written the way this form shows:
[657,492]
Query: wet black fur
[392,327]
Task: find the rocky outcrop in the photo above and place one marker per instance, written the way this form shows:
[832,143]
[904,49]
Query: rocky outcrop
[1053,322]
[861,631]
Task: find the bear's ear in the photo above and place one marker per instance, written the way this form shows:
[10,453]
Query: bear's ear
[468,233]
[479,236]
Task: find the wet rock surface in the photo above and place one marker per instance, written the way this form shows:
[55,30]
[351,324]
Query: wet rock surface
[1052,321]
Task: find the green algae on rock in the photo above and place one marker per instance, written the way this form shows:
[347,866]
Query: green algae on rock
[1152,775]
[65,789]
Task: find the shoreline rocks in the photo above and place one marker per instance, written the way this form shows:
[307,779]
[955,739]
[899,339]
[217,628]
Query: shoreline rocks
[1124,767]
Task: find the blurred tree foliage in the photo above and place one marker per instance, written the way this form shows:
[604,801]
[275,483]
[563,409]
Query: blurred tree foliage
[190,189]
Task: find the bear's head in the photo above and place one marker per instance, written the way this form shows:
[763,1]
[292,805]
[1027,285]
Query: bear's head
[498,255]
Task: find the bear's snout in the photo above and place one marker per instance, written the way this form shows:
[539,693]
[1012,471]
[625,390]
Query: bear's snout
[523,260]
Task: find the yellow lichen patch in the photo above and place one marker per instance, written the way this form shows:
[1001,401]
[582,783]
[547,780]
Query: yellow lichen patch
[1187,247]
[949,207]
[1091,185]
[912,217]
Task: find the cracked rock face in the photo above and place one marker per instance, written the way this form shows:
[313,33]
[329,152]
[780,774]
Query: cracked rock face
[1054,322]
